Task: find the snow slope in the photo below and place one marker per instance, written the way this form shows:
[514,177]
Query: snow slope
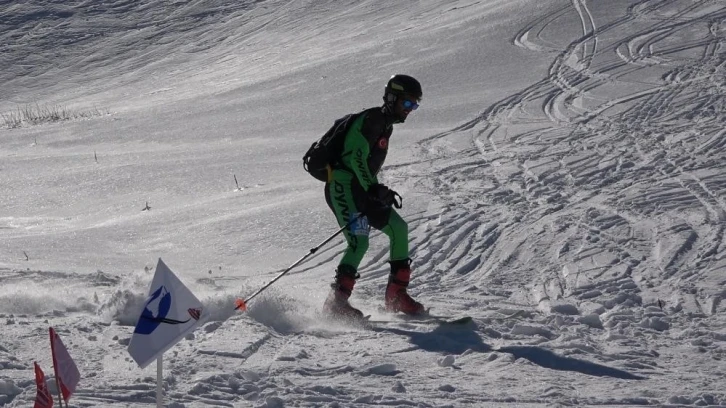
[564,184]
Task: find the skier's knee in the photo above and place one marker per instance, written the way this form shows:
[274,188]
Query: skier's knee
[362,247]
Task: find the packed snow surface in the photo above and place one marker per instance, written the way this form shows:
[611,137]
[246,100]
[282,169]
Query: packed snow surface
[564,182]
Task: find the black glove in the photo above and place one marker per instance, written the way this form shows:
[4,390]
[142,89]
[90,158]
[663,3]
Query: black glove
[381,197]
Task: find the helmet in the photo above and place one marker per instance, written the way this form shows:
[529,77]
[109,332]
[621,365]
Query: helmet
[401,85]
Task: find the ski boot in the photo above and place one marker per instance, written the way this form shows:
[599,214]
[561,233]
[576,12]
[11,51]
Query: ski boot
[397,299]
[336,305]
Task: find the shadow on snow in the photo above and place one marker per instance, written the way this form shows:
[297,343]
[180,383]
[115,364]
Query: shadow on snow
[457,340]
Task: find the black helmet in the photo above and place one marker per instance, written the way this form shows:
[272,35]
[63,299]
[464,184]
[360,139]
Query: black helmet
[400,85]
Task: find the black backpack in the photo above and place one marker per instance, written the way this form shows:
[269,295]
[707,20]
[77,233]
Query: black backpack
[324,154]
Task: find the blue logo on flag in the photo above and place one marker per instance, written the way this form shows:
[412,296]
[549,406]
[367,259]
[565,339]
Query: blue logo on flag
[155,311]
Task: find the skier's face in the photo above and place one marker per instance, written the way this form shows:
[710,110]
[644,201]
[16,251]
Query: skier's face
[405,105]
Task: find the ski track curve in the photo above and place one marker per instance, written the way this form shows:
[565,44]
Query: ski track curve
[639,95]
[607,258]
[619,99]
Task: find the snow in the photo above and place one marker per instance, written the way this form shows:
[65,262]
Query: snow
[563,182]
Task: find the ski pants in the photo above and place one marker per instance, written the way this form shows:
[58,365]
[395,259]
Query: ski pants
[347,199]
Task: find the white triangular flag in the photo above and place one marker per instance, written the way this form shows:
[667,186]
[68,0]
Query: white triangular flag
[170,312]
[65,368]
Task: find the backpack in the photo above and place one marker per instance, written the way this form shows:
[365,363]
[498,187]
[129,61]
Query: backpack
[324,154]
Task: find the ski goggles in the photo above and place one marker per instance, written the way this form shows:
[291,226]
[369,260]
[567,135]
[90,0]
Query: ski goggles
[409,104]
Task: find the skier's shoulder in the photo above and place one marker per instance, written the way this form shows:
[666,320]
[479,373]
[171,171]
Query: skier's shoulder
[374,122]
[373,116]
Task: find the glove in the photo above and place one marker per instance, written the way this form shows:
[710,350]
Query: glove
[381,197]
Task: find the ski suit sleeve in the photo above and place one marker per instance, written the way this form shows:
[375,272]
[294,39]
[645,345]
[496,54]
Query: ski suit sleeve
[357,150]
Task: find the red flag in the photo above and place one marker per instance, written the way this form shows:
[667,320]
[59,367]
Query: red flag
[43,399]
[66,371]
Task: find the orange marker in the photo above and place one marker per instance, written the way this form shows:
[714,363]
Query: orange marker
[240,305]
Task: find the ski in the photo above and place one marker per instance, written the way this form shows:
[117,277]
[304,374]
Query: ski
[362,322]
[426,319]
[460,320]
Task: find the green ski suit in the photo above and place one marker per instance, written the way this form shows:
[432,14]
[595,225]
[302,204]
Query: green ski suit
[364,151]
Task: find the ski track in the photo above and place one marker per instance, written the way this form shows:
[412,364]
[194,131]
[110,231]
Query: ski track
[596,116]
[617,273]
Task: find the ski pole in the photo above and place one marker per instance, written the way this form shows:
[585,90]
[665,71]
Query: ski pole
[242,304]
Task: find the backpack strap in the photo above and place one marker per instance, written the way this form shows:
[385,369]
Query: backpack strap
[337,164]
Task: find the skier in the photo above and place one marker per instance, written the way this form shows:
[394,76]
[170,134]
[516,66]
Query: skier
[354,195]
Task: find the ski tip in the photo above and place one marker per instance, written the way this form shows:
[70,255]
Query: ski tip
[447,320]
[461,320]
[240,304]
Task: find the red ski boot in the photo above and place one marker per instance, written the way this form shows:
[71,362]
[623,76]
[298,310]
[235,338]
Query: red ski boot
[397,299]
[336,305]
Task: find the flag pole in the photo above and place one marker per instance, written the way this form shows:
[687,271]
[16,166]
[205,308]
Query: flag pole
[57,385]
[159,392]
[55,368]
